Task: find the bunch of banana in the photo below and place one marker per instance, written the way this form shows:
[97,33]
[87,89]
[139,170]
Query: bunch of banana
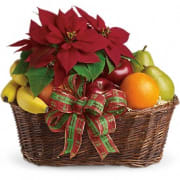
[17,89]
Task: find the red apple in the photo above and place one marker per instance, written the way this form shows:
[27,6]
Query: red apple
[119,73]
[99,86]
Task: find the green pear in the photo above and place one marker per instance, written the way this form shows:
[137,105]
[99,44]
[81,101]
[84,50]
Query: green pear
[144,59]
[166,86]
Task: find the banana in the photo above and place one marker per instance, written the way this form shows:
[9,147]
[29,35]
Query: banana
[18,78]
[29,103]
[9,92]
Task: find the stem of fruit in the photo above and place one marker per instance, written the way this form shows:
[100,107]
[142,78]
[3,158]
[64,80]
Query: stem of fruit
[144,48]
[131,60]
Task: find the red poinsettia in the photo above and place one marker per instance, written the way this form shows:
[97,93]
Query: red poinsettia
[63,39]
[116,37]
[77,43]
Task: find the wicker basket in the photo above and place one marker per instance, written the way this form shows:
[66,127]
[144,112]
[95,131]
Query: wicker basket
[140,137]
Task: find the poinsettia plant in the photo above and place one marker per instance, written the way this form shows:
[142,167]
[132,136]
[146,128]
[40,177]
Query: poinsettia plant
[67,43]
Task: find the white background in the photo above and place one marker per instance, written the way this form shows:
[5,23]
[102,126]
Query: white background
[152,22]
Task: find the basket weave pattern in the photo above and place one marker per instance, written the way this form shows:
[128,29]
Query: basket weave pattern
[140,137]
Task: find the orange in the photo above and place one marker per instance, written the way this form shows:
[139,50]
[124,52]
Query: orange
[141,90]
[46,93]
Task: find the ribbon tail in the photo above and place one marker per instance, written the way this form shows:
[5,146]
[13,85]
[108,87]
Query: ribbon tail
[73,135]
[103,144]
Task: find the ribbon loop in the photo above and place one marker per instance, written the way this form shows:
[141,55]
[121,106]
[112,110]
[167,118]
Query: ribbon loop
[56,120]
[61,101]
[77,85]
[116,103]
[95,105]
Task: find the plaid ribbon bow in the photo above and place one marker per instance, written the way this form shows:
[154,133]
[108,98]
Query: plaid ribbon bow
[71,109]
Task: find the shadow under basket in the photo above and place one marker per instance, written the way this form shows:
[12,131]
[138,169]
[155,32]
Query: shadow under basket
[140,137]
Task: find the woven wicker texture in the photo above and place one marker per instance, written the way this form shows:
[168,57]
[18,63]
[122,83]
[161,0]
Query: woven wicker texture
[140,136]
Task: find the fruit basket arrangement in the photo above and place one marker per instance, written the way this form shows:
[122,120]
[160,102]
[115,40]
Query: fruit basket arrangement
[81,97]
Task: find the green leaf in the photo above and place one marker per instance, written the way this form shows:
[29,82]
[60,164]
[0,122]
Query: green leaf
[39,78]
[109,65]
[22,66]
[96,69]
[24,55]
[135,62]
[93,70]
[131,59]
[82,70]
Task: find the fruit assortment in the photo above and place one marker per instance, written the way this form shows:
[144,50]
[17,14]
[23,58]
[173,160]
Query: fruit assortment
[66,44]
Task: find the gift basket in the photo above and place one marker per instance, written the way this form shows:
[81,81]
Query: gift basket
[81,97]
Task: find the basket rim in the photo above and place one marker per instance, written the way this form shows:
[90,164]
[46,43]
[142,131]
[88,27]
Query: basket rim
[150,110]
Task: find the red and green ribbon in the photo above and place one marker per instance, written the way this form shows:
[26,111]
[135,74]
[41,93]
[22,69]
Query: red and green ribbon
[71,110]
